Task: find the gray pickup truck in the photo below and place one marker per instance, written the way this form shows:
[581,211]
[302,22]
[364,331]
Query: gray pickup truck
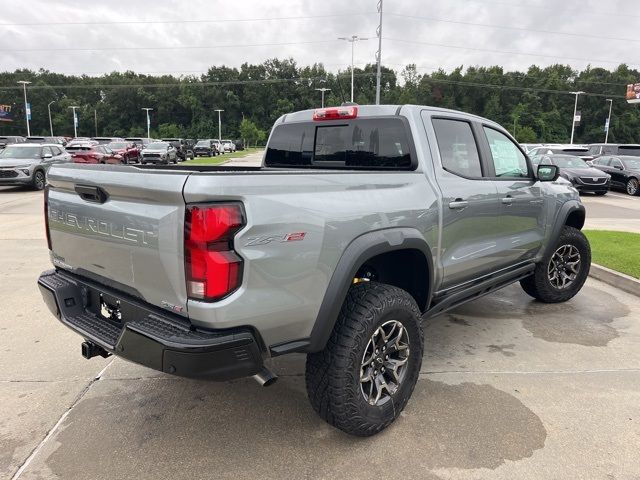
[361,222]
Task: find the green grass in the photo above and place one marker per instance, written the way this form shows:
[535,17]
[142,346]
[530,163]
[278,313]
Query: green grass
[221,158]
[619,251]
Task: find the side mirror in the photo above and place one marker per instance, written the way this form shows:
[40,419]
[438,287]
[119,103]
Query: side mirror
[47,155]
[548,173]
[618,167]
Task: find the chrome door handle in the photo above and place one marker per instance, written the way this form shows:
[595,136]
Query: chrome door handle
[507,201]
[458,204]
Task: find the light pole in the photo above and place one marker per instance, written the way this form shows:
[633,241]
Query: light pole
[323,89]
[352,40]
[148,122]
[75,120]
[575,109]
[606,137]
[379,55]
[27,110]
[95,120]
[219,124]
[50,122]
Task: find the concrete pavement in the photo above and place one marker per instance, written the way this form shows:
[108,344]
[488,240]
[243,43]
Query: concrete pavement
[509,388]
[614,211]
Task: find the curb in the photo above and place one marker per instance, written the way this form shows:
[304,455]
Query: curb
[616,279]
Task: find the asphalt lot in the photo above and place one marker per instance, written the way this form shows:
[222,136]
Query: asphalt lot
[509,389]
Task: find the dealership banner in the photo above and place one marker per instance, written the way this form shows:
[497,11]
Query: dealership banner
[5,113]
[633,93]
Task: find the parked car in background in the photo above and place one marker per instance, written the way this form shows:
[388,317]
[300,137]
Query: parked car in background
[239,144]
[182,150]
[618,149]
[159,152]
[79,141]
[205,148]
[624,171]
[93,153]
[583,177]
[575,150]
[228,146]
[50,140]
[129,151]
[530,146]
[140,142]
[28,163]
[4,141]
[107,140]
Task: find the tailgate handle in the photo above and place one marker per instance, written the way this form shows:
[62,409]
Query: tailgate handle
[91,193]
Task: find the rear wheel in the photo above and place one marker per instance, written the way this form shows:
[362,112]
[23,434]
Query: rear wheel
[364,377]
[39,180]
[633,187]
[562,272]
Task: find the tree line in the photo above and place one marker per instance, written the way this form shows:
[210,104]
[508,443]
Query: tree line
[537,104]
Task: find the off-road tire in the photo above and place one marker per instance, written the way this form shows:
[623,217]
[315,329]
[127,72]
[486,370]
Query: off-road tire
[539,285]
[333,375]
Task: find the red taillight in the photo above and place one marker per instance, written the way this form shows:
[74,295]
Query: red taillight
[213,268]
[335,113]
[46,216]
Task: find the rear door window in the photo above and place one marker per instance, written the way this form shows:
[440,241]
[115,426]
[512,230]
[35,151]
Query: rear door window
[458,148]
[366,143]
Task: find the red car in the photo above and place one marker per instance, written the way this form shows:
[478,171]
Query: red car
[91,153]
[129,151]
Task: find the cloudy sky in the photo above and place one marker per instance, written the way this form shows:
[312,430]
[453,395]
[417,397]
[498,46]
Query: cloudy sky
[186,37]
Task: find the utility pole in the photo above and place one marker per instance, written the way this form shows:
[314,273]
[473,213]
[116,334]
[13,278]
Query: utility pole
[148,122]
[50,122]
[323,89]
[352,40]
[379,55]
[608,125]
[219,124]
[27,108]
[75,120]
[575,109]
[95,120]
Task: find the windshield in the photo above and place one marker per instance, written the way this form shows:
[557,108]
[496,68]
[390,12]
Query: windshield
[21,152]
[77,148]
[203,143]
[117,145]
[630,164]
[565,161]
[157,146]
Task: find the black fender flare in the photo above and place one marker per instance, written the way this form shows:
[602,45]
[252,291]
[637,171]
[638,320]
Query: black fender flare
[357,252]
[561,221]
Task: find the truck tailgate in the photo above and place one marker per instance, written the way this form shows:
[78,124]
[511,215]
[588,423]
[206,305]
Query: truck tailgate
[123,227]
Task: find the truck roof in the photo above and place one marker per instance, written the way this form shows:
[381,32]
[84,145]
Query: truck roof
[382,110]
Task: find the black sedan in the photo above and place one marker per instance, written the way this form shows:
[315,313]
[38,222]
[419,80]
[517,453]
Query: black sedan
[583,177]
[624,171]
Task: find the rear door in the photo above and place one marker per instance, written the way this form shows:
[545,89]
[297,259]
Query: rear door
[617,172]
[470,205]
[521,225]
[122,227]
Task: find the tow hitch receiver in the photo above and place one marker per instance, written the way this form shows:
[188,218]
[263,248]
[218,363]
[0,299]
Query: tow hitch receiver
[90,350]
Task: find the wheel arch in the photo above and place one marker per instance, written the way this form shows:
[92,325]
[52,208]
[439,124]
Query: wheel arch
[571,214]
[388,251]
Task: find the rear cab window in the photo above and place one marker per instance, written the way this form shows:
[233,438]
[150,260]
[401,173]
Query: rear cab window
[376,143]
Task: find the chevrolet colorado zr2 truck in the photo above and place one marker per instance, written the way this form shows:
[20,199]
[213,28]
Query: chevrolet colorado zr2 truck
[361,221]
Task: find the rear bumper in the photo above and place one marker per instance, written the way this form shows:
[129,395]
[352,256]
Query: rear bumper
[147,336]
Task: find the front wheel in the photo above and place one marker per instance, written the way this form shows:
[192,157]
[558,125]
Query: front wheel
[562,272]
[633,187]
[38,180]
[364,377]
